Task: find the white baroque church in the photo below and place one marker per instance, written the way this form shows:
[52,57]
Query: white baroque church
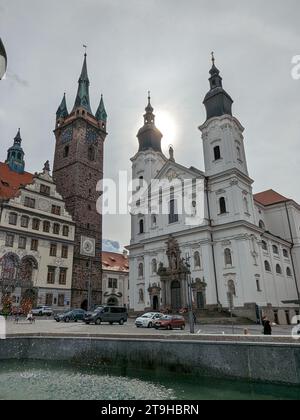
[244,256]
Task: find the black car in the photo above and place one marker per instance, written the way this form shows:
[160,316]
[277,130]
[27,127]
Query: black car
[71,316]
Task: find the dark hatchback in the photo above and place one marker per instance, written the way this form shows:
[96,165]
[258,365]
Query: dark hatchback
[110,314]
[71,316]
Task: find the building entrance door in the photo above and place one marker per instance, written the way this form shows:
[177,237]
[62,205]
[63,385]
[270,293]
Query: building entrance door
[155,303]
[176,295]
[200,300]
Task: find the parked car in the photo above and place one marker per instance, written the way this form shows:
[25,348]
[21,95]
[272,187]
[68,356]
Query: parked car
[71,316]
[110,314]
[170,322]
[148,320]
[42,311]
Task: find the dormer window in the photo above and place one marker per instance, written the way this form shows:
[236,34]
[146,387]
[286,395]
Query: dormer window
[45,190]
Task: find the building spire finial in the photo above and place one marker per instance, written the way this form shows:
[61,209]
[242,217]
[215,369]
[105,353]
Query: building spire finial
[213,58]
[85,48]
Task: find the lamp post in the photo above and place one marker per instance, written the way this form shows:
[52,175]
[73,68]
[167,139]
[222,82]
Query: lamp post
[187,269]
[3,60]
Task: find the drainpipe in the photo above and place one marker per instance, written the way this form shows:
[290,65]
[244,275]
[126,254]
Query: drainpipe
[212,243]
[293,245]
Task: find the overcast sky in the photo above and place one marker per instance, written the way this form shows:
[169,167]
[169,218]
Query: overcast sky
[164,46]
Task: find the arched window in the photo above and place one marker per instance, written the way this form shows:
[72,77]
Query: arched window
[217,153]
[262,225]
[267,266]
[285,253]
[141,270]
[141,296]
[91,153]
[142,230]
[289,272]
[238,153]
[278,269]
[275,249]
[228,257]
[154,266]
[66,151]
[246,205]
[264,245]
[197,260]
[231,288]
[222,202]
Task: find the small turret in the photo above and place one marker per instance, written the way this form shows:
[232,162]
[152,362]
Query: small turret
[15,155]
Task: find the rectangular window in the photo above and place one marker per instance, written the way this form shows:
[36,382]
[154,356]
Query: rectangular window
[9,240]
[112,283]
[36,224]
[56,229]
[64,252]
[53,250]
[22,242]
[34,245]
[258,285]
[29,202]
[49,299]
[63,276]
[56,210]
[51,275]
[24,222]
[46,227]
[173,216]
[45,190]
[13,218]
[61,300]
[66,231]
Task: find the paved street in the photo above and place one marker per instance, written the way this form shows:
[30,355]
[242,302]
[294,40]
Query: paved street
[51,326]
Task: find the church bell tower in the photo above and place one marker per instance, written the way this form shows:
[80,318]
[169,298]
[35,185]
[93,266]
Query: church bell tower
[78,167]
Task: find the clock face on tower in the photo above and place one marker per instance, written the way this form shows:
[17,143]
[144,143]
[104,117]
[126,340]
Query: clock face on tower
[67,135]
[88,246]
[91,135]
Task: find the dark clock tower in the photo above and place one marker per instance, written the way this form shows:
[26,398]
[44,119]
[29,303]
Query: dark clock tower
[78,167]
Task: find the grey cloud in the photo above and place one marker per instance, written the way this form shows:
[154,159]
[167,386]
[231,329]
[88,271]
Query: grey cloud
[17,79]
[164,46]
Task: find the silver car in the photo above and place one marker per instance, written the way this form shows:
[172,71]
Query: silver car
[148,320]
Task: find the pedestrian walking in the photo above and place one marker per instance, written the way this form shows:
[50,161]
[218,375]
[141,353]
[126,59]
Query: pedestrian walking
[267,326]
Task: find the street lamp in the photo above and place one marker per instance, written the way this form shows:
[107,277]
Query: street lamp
[187,269]
[3,60]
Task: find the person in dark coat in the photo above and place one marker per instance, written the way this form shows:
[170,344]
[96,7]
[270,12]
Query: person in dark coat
[267,326]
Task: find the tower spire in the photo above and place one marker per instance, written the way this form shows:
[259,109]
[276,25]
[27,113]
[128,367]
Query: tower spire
[15,155]
[62,111]
[149,136]
[83,96]
[217,100]
[101,113]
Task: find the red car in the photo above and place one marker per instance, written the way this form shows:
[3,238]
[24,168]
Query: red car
[170,322]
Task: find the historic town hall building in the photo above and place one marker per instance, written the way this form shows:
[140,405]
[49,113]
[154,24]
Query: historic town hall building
[246,253]
[36,237]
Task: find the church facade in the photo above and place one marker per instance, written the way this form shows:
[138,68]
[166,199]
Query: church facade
[245,253]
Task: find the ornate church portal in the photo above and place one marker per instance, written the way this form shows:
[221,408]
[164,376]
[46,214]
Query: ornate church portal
[173,279]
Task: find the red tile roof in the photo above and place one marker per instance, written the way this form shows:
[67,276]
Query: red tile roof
[115,262]
[10,181]
[267,198]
